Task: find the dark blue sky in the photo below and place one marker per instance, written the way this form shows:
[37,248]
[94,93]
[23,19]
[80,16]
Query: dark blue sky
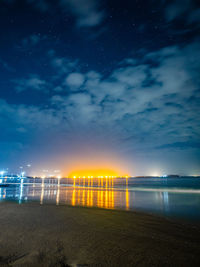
[113,83]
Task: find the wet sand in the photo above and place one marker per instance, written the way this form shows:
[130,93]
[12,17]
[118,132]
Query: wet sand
[49,235]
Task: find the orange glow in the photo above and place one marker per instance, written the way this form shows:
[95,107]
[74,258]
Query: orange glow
[95,173]
[85,161]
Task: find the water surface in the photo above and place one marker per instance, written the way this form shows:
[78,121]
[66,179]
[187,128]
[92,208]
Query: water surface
[173,197]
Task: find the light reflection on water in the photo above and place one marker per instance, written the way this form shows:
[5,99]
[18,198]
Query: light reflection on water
[128,194]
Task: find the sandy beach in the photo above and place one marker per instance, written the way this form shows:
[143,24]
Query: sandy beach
[50,235]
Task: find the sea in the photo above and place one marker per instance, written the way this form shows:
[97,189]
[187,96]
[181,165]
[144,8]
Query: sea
[169,197]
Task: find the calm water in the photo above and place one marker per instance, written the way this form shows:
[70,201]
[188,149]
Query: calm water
[177,197]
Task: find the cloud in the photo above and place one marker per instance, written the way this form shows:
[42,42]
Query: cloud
[77,107]
[87,111]
[6,66]
[75,80]
[87,12]
[151,102]
[32,40]
[180,145]
[132,76]
[61,64]
[183,9]
[145,104]
[177,8]
[154,98]
[33,83]
[23,117]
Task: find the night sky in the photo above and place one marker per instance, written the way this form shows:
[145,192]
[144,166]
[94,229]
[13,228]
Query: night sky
[100,83]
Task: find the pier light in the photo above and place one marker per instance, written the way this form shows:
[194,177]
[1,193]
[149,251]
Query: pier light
[74,177]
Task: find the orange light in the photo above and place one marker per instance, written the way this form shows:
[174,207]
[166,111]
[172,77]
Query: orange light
[94,173]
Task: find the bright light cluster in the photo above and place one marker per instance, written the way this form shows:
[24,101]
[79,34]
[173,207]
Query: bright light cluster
[99,173]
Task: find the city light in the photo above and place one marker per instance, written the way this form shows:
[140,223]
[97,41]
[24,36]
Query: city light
[95,173]
[155,174]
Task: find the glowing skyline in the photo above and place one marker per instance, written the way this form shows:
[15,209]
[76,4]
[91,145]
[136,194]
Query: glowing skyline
[95,173]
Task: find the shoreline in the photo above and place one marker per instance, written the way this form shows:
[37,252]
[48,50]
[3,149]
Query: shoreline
[54,235]
[171,218]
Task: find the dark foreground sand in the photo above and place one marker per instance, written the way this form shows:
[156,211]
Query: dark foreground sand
[49,235]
